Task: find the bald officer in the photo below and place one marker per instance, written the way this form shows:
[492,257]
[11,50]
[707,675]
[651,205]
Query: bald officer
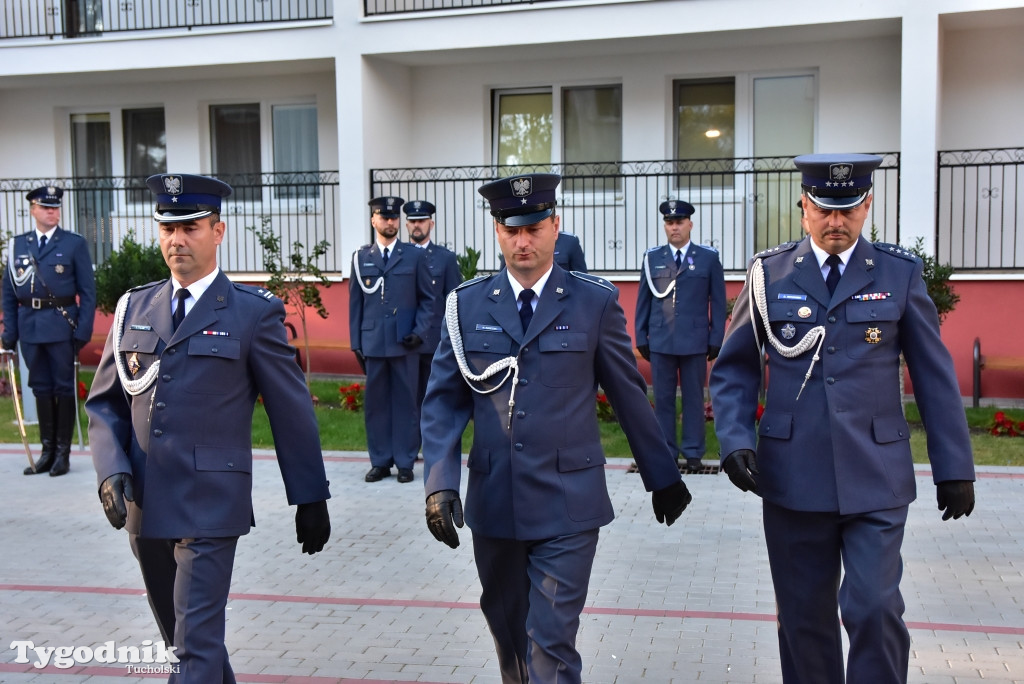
[679,326]
[49,300]
[522,354]
[390,308]
[170,425]
[444,276]
[831,454]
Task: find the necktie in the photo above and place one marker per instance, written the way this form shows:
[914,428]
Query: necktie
[526,308]
[179,309]
[679,258]
[384,256]
[832,279]
[42,243]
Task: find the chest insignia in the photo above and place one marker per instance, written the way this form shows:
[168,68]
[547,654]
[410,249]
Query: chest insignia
[133,363]
[788,331]
[872,335]
[804,312]
[59,268]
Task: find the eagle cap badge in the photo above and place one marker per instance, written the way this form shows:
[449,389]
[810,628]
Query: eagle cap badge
[522,187]
[172,184]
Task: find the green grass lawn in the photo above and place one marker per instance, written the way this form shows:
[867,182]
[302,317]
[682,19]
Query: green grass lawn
[343,430]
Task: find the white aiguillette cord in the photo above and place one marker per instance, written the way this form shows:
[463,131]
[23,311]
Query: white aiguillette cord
[650,283]
[759,297]
[379,285]
[509,364]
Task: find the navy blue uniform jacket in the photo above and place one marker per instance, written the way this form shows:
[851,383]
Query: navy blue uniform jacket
[844,445]
[444,277]
[187,440]
[65,266]
[543,476]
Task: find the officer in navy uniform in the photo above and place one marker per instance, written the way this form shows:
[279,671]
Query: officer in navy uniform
[679,325]
[170,425]
[830,456]
[528,379]
[49,300]
[391,305]
[444,276]
[568,253]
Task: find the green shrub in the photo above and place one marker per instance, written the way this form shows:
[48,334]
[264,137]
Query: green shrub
[129,266]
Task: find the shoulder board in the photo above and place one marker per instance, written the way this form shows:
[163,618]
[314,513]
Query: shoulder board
[147,285]
[710,248]
[261,292]
[778,249]
[471,281]
[655,248]
[895,250]
[593,279]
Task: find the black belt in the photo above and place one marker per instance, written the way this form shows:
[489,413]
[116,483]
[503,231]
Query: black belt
[47,303]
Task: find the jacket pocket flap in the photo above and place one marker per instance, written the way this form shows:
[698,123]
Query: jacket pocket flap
[889,429]
[560,340]
[580,457]
[487,342]
[775,425]
[791,310]
[223,459]
[143,341]
[865,312]
[212,345]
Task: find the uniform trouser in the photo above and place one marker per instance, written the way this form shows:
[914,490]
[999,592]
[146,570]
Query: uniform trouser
[421,388]
[806,552]
[51,367]
[532,598]
[689,373]
[187,583]
[391,412]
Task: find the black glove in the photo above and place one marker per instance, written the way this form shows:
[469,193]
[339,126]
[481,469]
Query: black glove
[670,502]
[741,467]
[444,508]
[80,344]
[8,343]
[361,359]
[312,526]
[113,493]
[713,352]
[411,341]
[955,497]
[645,351]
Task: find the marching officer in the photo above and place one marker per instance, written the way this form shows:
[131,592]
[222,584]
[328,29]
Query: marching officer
[49,299]
[679,326]
[830,456]
[391,305]
[444,275]
[170,425]
[537,494]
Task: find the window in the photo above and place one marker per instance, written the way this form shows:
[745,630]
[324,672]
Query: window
[145,149]
[235,143]
[592,132]
[296,158]
[523,128]
[706,129]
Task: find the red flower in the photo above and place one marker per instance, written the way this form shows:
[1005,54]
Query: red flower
[83,392]
[760,412]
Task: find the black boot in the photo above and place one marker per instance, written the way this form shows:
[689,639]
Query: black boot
[65,428]
[45,407]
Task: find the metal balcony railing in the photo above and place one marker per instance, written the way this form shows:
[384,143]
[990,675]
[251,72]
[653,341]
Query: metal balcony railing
[299,206]
[85,18]
[378,7]
[743,205]
[980,209]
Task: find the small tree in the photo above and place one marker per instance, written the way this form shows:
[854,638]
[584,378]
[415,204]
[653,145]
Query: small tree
[467,263]
[936,279]
[131,265]
[295,280]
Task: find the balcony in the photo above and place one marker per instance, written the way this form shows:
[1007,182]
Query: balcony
[388,7]
[301,207]
[743,205]
[91,18]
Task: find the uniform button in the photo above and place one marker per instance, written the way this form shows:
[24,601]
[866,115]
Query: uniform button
[135,346]
[874,315]
[487,345]
[230,464]
[767,428]
[161,405]
[565,345]
[519,446]
[526,349]
[900,433]
[524,381]
[789,314]
[157,432]
[831,319]
[830,380]
[165,378]
[831,350]
[520,414]
[172,350]
[214,350]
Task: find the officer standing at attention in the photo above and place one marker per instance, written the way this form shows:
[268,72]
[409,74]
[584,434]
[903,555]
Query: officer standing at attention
[568,253]
[679,325]
[444,276]
[390,307]
[49,299]
[170,425]
[528,378]
[830,456]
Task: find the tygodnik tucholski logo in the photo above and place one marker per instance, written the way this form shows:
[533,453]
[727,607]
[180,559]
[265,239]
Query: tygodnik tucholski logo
[147,658]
